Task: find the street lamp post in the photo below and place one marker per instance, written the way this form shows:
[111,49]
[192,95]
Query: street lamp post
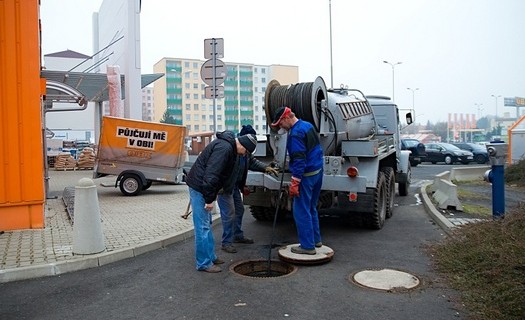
[393,77]
[413,98]
[480,109]
[496,98]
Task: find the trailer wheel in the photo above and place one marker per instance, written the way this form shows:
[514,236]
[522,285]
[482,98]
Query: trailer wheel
[130,185]
[377,219]
[391,190]
[147,185]
[403,186]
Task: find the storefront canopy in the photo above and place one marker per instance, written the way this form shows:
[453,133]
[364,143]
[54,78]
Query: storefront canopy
[93,86]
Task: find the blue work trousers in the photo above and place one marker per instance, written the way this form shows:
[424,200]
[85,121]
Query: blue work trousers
[232,211]
[204,243]
[305,211]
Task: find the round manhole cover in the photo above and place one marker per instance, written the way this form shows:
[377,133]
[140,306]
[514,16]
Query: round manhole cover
[322,255]
[386,279]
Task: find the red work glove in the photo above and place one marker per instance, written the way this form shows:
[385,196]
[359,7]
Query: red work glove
[294,187]
[245,191]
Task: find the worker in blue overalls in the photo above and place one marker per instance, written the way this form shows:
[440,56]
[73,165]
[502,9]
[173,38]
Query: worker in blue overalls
[306,166]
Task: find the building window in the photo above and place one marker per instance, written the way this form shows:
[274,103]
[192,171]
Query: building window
[195,65]
[186,64]
[196,117]
[195,96]
[195,75]
[203,117]
[188,117]
[187,74]
[187,106]
[195,86]
[196,107]
[187,95]
[263,80]
[187,85]
[196,127]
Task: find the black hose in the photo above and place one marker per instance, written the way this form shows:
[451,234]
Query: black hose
[281,191]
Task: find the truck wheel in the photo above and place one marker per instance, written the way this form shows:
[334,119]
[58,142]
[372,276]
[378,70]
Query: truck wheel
[266,214]
[403,186]
[391,190]
[130,185]
[377,219]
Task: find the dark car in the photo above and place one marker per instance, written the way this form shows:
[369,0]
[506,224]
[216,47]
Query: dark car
[481,155]
[446,152]
[417,150]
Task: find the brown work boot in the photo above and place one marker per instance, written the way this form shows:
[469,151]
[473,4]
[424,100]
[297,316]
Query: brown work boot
[212,269]
[229,249]
[301,250]
[243,240]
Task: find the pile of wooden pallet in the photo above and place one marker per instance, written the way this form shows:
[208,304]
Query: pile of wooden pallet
[86,158]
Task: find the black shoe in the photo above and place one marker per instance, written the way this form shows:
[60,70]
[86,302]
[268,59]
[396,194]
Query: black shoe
[229,249]
[243,240]
[300,250]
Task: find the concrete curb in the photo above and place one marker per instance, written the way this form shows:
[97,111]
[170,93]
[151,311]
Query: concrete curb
[95,260]
[438,218]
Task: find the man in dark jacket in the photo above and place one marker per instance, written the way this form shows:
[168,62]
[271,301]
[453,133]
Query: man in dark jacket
[230,200]
[206,177]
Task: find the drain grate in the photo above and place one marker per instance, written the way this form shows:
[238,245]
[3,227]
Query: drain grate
[263,269]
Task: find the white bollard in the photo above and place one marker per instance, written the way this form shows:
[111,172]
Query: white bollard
[87,228]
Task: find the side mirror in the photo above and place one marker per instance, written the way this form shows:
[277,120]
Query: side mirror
[409,118]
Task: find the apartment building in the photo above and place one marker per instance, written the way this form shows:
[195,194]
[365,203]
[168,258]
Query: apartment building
[181,92]
[147,103]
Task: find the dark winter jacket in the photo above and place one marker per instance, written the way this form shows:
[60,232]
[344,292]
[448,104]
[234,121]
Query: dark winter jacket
[213,166]
[240,173]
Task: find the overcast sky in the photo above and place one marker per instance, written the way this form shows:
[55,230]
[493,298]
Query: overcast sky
[457,52]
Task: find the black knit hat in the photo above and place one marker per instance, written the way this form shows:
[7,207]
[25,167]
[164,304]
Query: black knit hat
[247,129]
[249,142]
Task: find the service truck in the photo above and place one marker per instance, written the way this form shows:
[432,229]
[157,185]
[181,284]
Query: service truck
[360,138]
[139,153]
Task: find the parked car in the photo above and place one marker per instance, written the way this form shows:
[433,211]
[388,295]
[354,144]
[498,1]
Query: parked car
[481,155]
[446,152]
[417,150]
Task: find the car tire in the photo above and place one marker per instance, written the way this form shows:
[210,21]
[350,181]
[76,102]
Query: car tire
[480,159]
[449,160]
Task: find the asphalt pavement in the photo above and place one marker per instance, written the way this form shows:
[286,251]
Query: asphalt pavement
[160,280]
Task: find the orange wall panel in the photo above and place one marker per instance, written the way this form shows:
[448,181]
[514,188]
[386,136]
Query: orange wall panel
[22,193]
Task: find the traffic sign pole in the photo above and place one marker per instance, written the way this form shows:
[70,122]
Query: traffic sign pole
[217,50]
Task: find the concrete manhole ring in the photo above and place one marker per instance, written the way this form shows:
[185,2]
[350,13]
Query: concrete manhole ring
[323,255]
[386,279]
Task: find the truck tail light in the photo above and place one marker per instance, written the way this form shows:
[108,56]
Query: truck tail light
[352,196]
[352,172]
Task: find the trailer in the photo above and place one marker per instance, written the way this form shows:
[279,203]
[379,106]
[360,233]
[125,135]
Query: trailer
[140,153]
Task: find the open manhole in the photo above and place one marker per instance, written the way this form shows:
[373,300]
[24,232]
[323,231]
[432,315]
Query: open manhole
[386,279]
[263,268]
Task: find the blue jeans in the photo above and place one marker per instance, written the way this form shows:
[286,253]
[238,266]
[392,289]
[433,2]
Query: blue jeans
[204,243]
[305,211]
[232,211]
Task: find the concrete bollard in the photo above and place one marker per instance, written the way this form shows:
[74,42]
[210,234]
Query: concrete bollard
[87,227]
